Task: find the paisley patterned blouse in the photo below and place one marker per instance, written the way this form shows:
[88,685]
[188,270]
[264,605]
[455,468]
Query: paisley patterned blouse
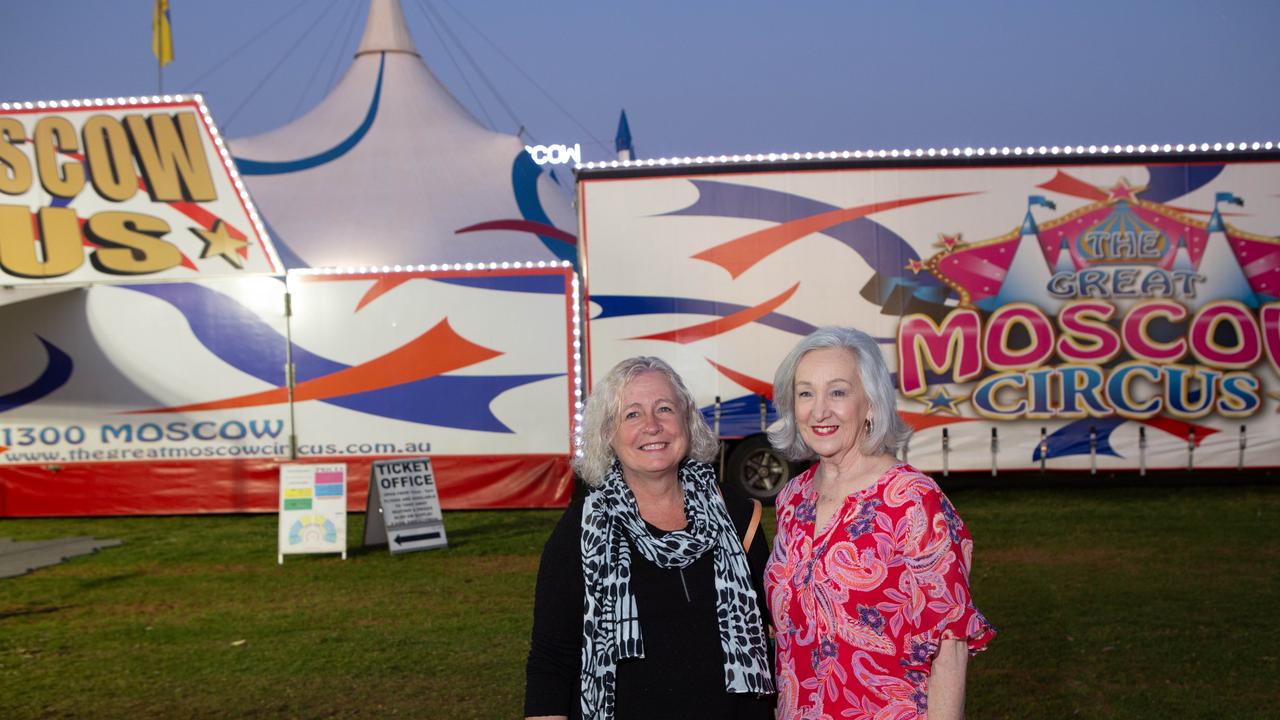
[860,606]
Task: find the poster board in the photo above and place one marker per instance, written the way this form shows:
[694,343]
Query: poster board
[403,509]
[313,510]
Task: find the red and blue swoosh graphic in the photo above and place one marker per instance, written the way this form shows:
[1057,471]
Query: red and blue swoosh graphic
[408,383]
[795,216]
[1074,437]
[892,287]
[533,218]
[507,283]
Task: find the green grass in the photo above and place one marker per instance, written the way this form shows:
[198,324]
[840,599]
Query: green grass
[1111,602]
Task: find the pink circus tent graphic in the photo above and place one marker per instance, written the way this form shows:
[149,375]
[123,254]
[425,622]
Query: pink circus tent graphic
[1016,267]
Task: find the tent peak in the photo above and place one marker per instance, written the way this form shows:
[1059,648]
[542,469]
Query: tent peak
[622,141]
[385,30]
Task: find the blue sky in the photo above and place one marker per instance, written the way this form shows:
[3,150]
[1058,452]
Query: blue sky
[710,77]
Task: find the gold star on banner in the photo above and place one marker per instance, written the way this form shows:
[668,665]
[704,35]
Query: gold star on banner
[950,242]
[915,266]
[218,242]
[943,402]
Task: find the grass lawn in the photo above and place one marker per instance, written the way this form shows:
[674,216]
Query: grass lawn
[1122,602]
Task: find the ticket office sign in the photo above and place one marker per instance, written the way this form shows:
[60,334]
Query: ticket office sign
[313,510]
[404,506]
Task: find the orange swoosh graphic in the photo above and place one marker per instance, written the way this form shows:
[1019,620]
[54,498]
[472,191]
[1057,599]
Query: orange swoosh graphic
[1068,185]
[705,330]
[434,352]
[757,386]
[740,254]
[379,288]
[1180,429]
[920,421]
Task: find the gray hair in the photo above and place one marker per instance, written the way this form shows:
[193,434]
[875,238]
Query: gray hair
[889,433]
[600,419]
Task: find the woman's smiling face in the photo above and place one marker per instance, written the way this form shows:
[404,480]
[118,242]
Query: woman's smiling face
[651,438]
[830,404]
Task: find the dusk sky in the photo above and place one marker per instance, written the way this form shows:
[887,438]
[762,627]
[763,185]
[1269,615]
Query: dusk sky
[700,78]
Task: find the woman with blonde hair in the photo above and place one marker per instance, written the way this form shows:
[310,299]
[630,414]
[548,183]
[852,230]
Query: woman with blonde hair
[647,603]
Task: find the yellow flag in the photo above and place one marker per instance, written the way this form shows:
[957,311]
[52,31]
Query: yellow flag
[162,33]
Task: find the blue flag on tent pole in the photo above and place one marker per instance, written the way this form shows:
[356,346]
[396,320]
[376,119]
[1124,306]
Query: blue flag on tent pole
[622,143]
[1227,197]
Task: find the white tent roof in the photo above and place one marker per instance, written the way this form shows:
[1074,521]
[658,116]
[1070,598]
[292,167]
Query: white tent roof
[389,167]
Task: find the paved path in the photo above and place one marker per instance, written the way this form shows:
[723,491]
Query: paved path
[19,557]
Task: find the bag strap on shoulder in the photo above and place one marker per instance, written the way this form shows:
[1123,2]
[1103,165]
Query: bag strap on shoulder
[750,534]
[752,526]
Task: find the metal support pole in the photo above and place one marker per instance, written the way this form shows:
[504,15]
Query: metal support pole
[995,448]
[1142,451]
[290,374]
[946,450]
[1044,448]
[1240,462]
[1093,450]
[1191,449]
[716,429]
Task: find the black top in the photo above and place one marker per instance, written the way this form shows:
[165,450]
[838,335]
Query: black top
[682,672]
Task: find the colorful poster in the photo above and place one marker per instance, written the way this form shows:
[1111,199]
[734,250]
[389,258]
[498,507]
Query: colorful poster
[313,510]
[1120,313]
[122,190]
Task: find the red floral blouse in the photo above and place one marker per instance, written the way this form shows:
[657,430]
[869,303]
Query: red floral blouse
[860,606]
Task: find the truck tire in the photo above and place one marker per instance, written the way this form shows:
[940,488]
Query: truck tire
[757,468]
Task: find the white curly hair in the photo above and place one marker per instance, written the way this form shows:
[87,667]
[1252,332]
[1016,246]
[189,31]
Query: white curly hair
[600,419]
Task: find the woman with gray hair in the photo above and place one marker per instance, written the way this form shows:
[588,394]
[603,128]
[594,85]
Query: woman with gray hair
[647,603]
[868,583]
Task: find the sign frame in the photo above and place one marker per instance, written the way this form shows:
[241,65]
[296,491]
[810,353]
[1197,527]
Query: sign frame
[312,510]
[402,509]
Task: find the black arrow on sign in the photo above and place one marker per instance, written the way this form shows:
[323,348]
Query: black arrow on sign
[402,539]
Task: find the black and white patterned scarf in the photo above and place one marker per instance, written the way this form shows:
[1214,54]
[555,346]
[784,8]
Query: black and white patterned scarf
[612,629]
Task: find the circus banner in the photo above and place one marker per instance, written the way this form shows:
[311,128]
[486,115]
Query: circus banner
[433,363]
[186,397]
[122,190]
[1118,315]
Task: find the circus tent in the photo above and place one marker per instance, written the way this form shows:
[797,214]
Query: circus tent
[390,169]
